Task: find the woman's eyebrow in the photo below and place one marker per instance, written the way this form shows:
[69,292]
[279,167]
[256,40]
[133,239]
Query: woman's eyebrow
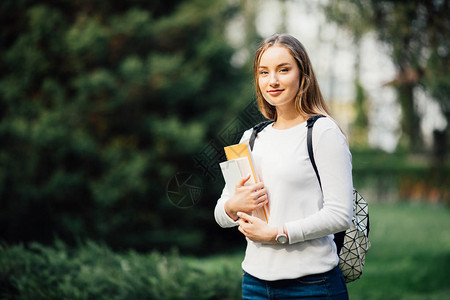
[280,65]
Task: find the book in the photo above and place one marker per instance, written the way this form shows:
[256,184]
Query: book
[234,170]
[242,150]
[239,164]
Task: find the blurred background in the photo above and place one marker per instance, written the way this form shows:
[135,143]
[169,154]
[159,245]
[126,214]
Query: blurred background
[114,115]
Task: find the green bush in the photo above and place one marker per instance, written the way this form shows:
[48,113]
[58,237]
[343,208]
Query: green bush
[95,272]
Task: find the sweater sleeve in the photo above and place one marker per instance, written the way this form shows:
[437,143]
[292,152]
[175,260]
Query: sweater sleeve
[222,218]
[333,160]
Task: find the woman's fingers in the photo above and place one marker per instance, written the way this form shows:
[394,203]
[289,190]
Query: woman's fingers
[258,186]
[261,204]
[259,193]
[262,199]
[243,181]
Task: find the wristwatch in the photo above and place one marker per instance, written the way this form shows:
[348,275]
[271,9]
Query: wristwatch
[281,237]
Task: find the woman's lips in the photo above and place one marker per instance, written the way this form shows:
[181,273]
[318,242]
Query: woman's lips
[274,92]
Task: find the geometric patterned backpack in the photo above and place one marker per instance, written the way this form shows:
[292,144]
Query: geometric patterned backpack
[352,256]
[352,244]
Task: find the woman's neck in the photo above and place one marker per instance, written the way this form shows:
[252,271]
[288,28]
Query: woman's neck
[288,120]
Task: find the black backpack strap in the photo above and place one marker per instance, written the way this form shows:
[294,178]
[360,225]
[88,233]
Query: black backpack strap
[257,129]
[310,124]
[338,237]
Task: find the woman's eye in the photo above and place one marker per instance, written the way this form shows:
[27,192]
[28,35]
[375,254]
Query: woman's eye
[284,70]
[263,72]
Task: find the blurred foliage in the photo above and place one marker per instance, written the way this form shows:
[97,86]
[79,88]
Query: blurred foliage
[92,271]
[417,35]
[360,126]
[390,177]
[101,104]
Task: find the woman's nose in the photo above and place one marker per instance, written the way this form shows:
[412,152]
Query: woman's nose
[273,79]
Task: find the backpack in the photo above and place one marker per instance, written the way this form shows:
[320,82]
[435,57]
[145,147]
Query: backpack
[352,244]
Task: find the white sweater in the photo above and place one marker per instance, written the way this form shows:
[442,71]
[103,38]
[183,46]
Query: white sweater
[296,200]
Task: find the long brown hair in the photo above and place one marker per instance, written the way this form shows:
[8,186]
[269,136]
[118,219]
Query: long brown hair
[309,100]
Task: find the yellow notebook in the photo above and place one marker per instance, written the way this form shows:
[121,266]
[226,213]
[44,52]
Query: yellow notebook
[243,150]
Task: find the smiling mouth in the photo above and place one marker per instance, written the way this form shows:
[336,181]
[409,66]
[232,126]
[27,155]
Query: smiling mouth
[274,92]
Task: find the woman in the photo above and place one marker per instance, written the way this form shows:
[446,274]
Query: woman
[293,256]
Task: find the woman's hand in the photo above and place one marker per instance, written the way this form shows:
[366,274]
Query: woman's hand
[256,229]
[246,198]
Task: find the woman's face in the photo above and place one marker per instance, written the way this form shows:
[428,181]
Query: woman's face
[278,76]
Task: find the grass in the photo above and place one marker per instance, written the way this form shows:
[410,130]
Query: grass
[410,253]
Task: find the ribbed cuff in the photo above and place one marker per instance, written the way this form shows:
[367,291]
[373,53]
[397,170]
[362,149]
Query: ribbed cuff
[295,232]
[223,218]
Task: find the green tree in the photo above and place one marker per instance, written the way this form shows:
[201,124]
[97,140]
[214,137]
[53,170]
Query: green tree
[416,32]
[101,104]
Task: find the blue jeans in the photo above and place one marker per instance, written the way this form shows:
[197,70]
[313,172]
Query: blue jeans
[328,285]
